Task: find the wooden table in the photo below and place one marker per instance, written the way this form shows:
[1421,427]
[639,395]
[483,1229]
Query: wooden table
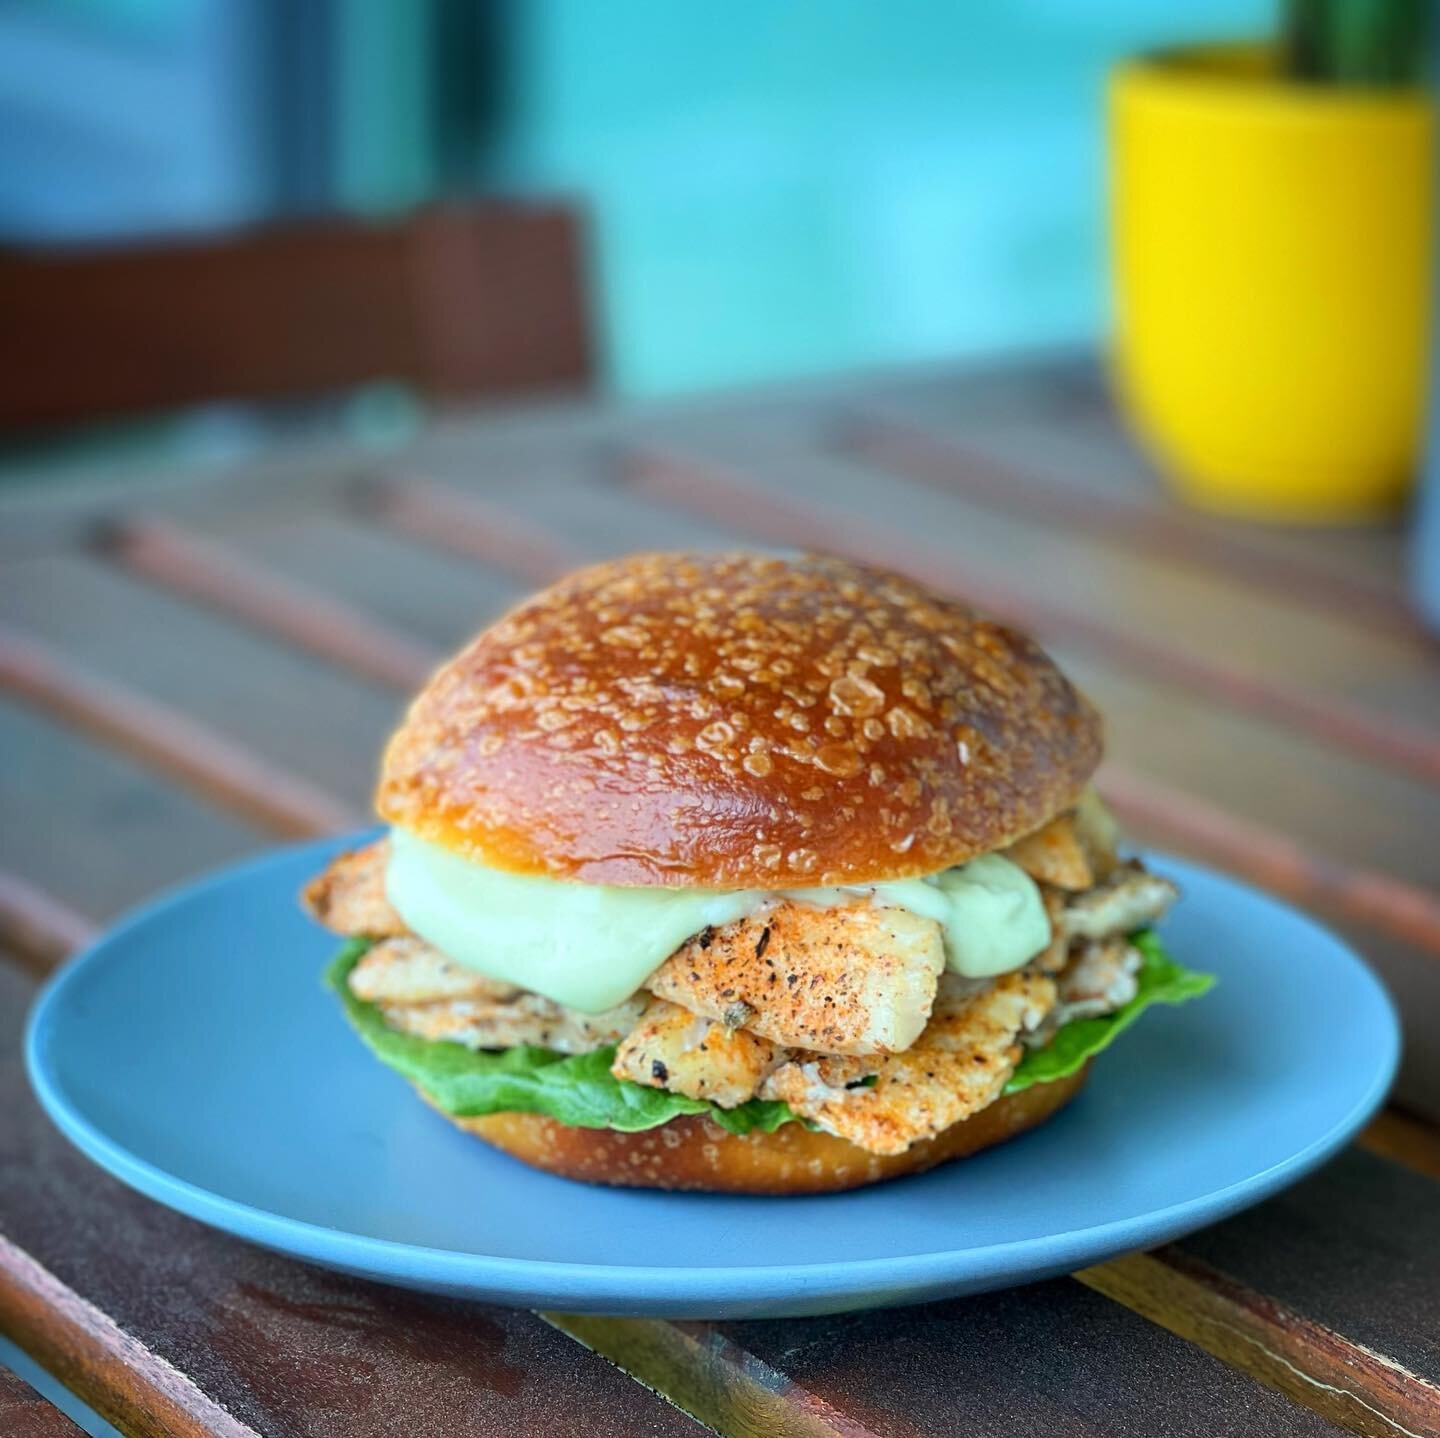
[196,665]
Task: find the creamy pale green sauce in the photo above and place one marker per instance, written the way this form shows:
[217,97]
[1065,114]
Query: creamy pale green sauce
[590,946]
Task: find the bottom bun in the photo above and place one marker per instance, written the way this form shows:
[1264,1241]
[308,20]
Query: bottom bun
[694,1154]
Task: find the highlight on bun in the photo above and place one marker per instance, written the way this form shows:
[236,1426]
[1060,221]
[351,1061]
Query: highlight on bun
[692,1154]
[738,721]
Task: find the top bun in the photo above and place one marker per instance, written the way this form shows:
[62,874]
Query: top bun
[738,721]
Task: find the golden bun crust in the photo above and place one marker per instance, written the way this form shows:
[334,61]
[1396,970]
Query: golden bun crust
[695,1155]
[738,721]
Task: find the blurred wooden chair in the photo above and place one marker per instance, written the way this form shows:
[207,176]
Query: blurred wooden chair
[458,301]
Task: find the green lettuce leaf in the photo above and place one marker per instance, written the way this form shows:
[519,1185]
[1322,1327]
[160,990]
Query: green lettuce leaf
[579,1089]
[1162,981]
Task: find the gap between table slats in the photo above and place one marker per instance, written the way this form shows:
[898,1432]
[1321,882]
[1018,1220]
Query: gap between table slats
[721,1383]
[38,927]
[712,492]
[942,464]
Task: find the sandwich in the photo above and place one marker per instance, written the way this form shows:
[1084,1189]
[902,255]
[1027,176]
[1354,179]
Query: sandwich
[744,873]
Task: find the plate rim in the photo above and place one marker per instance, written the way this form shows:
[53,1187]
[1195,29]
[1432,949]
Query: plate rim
[659,1286]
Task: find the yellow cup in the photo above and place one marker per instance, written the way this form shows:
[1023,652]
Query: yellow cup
[1272,259]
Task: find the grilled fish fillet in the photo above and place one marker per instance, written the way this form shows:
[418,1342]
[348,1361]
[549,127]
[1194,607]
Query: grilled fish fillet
[673,1049]
[348,897]
[852,980]
[959,1065]
[1101,978]
[1130,899]
[524,1019]
[409,971]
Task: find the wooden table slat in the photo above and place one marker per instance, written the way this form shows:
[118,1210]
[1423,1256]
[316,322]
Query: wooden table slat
[1140,520]
[36,927]
[302,615]
[96,830]
[173,742]
[308,720]
[1349,576]
[1406,1139]
[488,533]
[1080,440]
[1346,1382]
[429,595]
[87,1351]
[1355,1248]
[712,1377]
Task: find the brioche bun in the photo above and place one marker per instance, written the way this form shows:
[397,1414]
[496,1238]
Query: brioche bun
[695,1155]
[738,721]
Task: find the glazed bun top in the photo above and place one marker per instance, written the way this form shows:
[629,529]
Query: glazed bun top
[738,721]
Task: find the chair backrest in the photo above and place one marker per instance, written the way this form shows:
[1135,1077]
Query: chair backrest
[458,300]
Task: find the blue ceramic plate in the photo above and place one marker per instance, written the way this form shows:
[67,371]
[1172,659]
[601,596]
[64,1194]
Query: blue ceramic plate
[194,1054]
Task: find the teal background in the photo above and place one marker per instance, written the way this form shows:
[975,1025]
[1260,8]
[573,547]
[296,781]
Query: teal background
[791,188]
[777,187]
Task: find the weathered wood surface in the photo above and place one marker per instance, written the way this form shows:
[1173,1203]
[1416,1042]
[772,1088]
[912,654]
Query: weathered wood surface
[193,670]
[1052,1358]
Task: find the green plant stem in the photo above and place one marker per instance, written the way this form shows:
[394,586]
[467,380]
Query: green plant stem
[1363,43]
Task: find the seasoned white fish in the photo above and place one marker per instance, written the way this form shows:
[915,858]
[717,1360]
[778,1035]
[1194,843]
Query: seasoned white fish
[525,1019]
[1131,898]
[673,1049]
[408,971]
[959,1066]
[856,979]
[1102,978]
[349,896]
